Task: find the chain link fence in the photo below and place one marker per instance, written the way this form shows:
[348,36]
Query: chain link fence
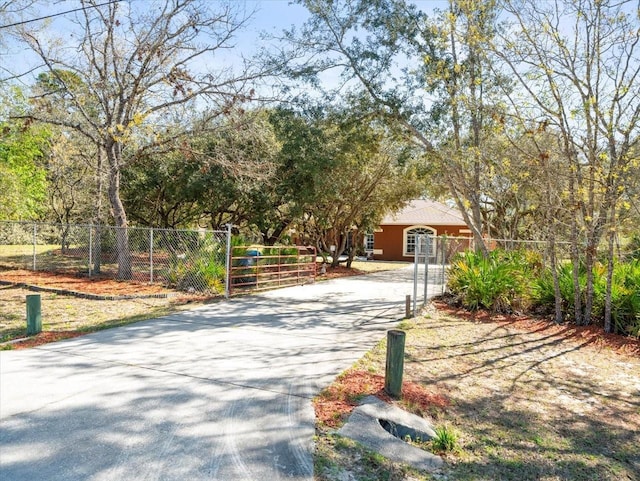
[188,260]
[430,270]
[444,248]
[193,260]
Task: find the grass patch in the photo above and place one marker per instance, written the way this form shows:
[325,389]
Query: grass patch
[68,316]
[26,249]
[338,458]
[47,255]
[446,440]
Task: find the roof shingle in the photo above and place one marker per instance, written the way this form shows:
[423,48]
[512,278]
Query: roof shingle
[424,212]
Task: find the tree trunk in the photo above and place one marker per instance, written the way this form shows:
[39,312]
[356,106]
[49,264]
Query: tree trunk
[589,264]
[123,254]
[554,272]
[98,220]
[96,252]
[474,224]
[608,325]
[65,238]
[339,250]
[575,257]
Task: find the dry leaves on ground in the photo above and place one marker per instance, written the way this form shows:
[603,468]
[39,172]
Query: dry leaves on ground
[91,285]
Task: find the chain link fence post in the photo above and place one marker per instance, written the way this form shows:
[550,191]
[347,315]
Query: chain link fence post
[227,284]
[443,254]
[427,237]
[151,256]
[416,263]
[90,250]
[35,240]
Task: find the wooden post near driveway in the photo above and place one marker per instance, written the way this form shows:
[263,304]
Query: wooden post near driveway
[395,363]
[407,306]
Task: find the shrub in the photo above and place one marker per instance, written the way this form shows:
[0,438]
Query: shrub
[632,250]
[543,292]
[499,282]
[625,297]
[202,273]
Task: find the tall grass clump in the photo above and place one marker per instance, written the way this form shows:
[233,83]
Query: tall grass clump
[201,273]
[632,250]
[446,439]
[500,282]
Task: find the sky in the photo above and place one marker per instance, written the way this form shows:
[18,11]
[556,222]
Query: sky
[270,16]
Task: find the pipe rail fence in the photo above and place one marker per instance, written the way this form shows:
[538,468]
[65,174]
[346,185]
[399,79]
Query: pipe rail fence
[266,267]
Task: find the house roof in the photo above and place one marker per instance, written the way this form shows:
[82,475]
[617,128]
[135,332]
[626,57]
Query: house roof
[424,212]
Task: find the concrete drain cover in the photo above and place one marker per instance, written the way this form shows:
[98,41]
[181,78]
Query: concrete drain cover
[383,428]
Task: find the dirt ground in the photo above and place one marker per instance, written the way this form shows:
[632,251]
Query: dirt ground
[529,400]
[90,285]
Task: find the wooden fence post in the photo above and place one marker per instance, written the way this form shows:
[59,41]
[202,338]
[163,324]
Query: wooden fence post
[395,363]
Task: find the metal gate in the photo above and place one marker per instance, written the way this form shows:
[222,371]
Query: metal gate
[256,267]
[429,268]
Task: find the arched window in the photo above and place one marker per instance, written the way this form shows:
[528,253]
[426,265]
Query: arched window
[410,236]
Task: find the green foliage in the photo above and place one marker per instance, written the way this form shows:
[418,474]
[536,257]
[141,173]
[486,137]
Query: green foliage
[632,250]
[278,255]
[499,282]
[200,273]
[446,439]
[203,269]
[238,244]
[543,289]
[625,293]
[24,185]
[174,190]
[625,299]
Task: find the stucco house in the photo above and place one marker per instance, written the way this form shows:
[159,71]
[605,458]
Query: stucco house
[395,238]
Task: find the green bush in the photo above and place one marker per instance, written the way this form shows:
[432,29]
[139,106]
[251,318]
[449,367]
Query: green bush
[201,273]
[544,293]
[632,250]
[499,282]
[625,295]
[625,298]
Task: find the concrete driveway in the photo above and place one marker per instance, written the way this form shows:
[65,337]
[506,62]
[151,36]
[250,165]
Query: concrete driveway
[222,392]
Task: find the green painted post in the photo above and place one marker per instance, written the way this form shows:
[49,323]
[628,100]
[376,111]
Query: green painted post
[34,315]
[395,363]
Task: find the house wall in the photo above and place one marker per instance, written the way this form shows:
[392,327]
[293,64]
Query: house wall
[388,240]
